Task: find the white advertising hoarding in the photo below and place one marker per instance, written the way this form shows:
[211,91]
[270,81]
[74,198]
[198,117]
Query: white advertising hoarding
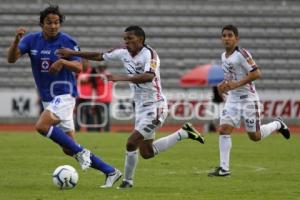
[183,104]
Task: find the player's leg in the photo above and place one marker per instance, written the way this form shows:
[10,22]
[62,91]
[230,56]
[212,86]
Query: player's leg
[131,158]
[112,174]
[46,126]
[225,145]
[96,162]
[255,130]
[60,110]
[147,119]
[267,129]
[148,148]
[68,152]
[186,132]
[229,119]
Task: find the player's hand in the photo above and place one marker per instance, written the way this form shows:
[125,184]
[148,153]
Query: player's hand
[64,52]
[20,33]
[231,85]
[223,88]
[111,77]
[56,67]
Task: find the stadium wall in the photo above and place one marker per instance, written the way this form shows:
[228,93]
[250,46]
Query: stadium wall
[22,106]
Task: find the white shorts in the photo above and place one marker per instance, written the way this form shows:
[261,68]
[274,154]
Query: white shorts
[150,117]
[249,111]
[62,106]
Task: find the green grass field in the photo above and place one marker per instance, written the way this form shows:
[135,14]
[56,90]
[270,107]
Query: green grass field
[266,170]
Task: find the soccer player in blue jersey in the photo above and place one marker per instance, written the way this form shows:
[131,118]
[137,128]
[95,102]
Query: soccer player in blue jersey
[56,83]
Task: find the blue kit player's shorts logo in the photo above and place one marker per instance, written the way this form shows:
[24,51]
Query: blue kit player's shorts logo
[57,101]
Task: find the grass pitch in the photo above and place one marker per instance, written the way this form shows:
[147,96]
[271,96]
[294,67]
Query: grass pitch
[265,170]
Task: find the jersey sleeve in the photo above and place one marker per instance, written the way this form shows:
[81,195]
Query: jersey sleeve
[72,44]
[24,45]
[247,61]
[113,54]
[151,61]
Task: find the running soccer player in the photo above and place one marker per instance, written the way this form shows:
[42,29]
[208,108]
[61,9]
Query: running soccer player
[242,101]
[142,65]
[56,83]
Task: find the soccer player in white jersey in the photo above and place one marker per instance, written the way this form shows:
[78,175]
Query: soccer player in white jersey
[142,65]
[242,101]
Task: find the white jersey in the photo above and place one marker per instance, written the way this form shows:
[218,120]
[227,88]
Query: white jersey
[236,67]
[146,61]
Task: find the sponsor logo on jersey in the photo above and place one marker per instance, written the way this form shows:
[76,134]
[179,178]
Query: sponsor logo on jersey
[250,61]
[33,52]
[46,52]
[45,65]
[153,64]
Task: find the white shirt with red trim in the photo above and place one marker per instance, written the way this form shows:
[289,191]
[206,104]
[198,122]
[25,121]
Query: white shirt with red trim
[146,61]
[236,67]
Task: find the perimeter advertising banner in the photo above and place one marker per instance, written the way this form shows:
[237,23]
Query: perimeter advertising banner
[183,104]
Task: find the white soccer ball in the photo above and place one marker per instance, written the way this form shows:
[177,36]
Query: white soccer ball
[65,177]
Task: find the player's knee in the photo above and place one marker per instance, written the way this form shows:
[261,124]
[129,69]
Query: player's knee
[131,146]
[147,155]
[68,152]
[254,137]
[222,130]
[41,128]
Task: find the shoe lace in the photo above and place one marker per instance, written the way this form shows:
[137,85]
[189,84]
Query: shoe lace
[82,158]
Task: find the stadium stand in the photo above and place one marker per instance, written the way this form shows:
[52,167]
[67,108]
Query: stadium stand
[185,33]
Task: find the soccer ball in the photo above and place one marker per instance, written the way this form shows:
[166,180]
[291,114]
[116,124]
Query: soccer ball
[65,177]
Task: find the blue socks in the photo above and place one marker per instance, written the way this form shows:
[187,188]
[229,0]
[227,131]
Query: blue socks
[97,163]
[59,137]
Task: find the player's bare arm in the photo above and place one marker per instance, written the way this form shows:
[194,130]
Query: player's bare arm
[74,66]
[13,53]
[251,76]
[140,78]
[66,53]
[223,88]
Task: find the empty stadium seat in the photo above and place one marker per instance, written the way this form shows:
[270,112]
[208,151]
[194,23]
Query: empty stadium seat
[183,33]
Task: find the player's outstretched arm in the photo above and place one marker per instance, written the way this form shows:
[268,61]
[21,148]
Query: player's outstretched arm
[140,78]
[66,53]
[13,52]
[73,66]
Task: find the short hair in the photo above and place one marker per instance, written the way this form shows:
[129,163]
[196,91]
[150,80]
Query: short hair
[52,9]
[232,28]
[138,31]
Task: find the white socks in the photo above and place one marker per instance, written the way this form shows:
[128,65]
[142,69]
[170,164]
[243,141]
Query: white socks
[267,129]
[224,147]
[225,143]
[131,160]
[159,145]
[169,141]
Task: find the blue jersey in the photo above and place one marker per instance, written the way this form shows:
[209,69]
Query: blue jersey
[42,54]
